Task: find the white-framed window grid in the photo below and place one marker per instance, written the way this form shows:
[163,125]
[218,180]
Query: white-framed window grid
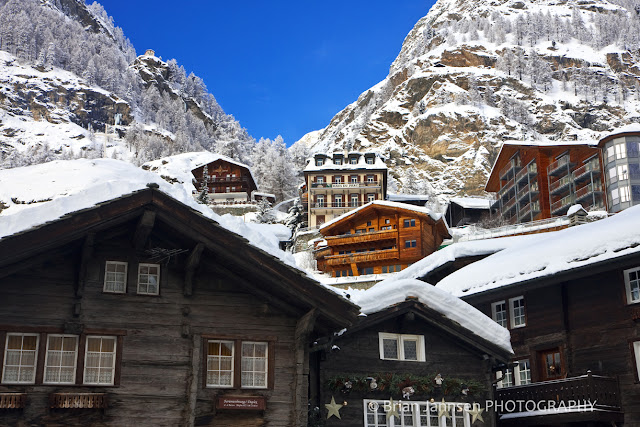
[517,312]
[100,360]
[632,285]
[255,364]
[20,358]
[148,279]
[499,313]
[61,359]
[220,357]
[521,375]
[115,277]
[403,347]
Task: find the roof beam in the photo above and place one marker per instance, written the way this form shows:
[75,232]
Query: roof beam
[192,264]
[144,228]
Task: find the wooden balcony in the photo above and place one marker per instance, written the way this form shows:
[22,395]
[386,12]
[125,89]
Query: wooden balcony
[362,257]
[373,236]
[78,400]
[13,400]
[322,252]
[602,392]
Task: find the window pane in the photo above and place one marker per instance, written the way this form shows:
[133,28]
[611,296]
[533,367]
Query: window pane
[390,348]
[220,364]
[100,360]
[524,372]
[410,350]
[20,358]
[148,279]
[115,277]
[254,364]
[60,363]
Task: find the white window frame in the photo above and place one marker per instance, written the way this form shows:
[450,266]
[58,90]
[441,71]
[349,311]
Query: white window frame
[494,313]
[353,161]
[338,201]
[369,160]
[371,179]
[146,292]
[126,269]
[354,179]
[627,284]
[320,180]
[113,365]
[625,194]
[636,353]
[59,365]
[319,162]
[266,365]
[320,201]
[518,370]
[355,200]
[337,179]
[512,317]
[233,355]
[371,198]
[621,150]
[20,366]
[400,339]
[506,379]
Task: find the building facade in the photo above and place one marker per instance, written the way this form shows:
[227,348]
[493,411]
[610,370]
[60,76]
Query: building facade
[621,168]
[379,237]
[338,183]
[141,311]
[535,182]
[227,181]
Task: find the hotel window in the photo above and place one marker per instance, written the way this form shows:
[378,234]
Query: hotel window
[337,162]
[613,176]
[371,198]
[320,201]
[100,360]
[148,279]
[354,179]
[369,160]
[621,151]
[623,172]
[115,277]
[516,306]
[371,178]
[337,179]
[409,223]
[61,358]
[254,364]
[320,179]
[499,313]
[401,347]
[338,201]
[354,200]
[20,356]
[522,372]
[220,363]
[632,285]
[353,160]
[410,243]
[319,162]
[624,193]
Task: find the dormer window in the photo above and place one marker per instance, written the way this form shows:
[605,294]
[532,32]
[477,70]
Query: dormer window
[353,160]
[319,162]
[369,160]
[337,161]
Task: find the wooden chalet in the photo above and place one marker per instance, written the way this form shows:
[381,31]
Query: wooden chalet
[142,311]
[436,370]
[228,181]
[467,210]
[536,182]
[575,333]
[380,237]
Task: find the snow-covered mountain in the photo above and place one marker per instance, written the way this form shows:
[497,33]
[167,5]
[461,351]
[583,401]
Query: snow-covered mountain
[474,73]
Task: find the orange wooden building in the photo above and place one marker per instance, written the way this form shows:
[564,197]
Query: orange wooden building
[535,181]
[228,181]
[379,237]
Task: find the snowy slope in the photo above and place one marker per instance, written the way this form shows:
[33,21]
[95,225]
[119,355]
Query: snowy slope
[473,74]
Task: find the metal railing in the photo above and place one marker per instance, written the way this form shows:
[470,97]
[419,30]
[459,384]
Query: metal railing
[557,165]
[477,233]
[560,184]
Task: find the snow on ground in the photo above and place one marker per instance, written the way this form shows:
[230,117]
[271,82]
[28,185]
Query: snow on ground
[35,195]
[395,291]
[550,253]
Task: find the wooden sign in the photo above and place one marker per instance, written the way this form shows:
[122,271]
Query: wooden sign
[247,403]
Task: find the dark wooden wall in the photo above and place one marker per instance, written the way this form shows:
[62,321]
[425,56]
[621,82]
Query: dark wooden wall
[359,354]
[161,371]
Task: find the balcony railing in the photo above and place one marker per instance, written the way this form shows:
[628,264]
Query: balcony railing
[78,400]
[531,168]
[337,205]
[560,185]
[583,171]
[362,257]
[529,188]
[563,203]
[216,179]
[372,236]
[587,190]
[529,208]
[13,400]
[506,188]
[345,185]
[603,392]
[511,203]
[556,167]
[322,252]
[513,164]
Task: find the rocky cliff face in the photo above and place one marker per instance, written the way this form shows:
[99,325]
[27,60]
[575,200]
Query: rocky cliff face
[472,74]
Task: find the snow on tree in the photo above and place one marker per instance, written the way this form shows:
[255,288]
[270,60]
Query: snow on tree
[265,211]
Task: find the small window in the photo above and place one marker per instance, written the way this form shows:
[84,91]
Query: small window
[148,279]
[516,305]
[632,285]
[100,360]
[499,313]
[220,363]
[371,178]
[353,160]
[320,180]
[319,162]
[368,223]
[372,229]
[369,160]
[337,179]
[60,361]
[624,193]
[254,364]
[522,372]
[371,198]
[636,355]
[505,377]
[20,359]
[409,222]
[623,172]
[410,243]
[115,277]
[621,151]
[401,347]
[387,221]
[354,179]
[337,162]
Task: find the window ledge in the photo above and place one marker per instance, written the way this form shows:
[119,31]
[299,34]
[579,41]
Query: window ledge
[78,400]
[13,400]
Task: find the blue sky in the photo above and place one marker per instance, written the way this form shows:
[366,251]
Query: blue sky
[280,67]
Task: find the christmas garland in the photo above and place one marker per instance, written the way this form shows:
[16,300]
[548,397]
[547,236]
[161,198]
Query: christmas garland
[394,383]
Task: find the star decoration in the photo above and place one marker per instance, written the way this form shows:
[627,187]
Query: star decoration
[393,412]
[333,408]
[476,413]
[442,409]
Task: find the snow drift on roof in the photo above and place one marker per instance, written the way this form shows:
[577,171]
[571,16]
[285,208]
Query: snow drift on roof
[633,127]
[396,205]
[345,165]
[391,292]
[549,254]
[472,202]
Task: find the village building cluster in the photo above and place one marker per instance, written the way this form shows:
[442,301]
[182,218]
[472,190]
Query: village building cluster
[125,301]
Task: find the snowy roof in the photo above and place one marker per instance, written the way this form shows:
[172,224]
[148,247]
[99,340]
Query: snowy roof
[630,128]
[460,250]
[328,164]
[391,292]
[36,195]
[385,203]
[180,166]
[472,202]
[549,254]
[400,197]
